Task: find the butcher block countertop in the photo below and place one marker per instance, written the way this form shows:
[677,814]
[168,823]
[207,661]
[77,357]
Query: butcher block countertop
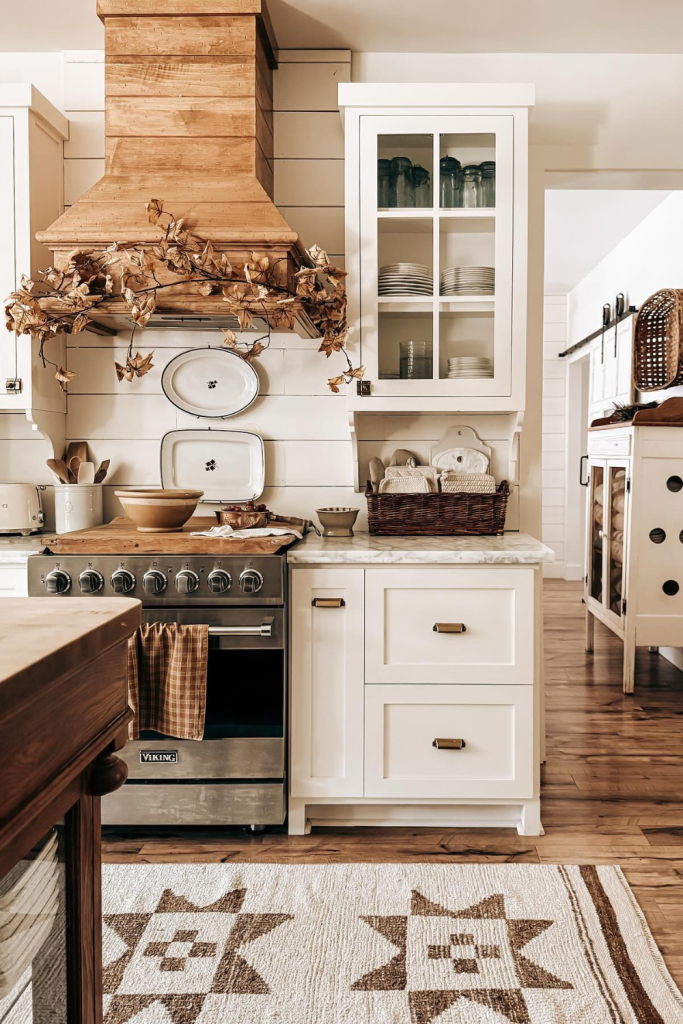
[45,638]
[120,537]
[364,548]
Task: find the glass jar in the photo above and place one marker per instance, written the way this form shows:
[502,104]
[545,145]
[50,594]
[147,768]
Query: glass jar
[422,184]
[415,360]
[403,189]
[470,193]
[450,182]
[488,183]
[383,184]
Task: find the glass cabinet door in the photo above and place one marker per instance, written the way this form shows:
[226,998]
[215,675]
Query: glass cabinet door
[616,497]
[436,254]
[596,532]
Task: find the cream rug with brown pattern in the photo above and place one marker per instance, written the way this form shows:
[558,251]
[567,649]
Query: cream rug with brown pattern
[379,944]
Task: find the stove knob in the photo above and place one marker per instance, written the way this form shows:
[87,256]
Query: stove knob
[251,581]
[90,581]
[122,581]
[58,582]
[186,581]
[219,581]
[154,582]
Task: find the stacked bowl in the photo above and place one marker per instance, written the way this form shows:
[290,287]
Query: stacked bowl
[468,281]
[469,367]
[405,279]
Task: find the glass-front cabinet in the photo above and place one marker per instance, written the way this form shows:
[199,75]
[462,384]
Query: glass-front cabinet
[436,247]
[606,528]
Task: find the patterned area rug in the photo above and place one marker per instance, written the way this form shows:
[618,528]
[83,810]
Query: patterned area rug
[379,944]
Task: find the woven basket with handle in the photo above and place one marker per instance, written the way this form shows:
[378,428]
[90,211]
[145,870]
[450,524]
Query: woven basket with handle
[437,514]
[658,341]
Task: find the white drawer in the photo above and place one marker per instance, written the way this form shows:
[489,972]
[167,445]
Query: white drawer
[609,442]
[496,723]
[495,605]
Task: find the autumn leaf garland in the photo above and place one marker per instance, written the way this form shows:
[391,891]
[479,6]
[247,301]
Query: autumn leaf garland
[63,299]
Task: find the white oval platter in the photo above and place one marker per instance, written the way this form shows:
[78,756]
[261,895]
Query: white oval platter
[210,382]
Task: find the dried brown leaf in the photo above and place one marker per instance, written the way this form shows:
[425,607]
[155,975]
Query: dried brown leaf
[155,208]
[229,338]
[64,376]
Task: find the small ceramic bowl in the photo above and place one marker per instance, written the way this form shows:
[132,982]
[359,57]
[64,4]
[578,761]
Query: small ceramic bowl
[337,521]
[244,520]
[158,510]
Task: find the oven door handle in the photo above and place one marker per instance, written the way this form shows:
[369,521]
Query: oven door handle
[264,628]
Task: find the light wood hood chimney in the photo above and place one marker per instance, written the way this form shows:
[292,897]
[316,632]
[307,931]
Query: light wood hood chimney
[189,120]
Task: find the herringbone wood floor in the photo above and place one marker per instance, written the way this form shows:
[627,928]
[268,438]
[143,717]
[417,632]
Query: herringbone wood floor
[612,787]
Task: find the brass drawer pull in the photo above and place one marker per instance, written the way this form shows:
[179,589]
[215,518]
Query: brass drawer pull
[445,744]
[328,602]
[449,627]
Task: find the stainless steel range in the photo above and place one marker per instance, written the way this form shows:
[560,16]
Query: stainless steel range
[236,774]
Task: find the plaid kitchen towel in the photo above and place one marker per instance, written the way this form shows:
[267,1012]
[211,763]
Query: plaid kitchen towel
[167,667]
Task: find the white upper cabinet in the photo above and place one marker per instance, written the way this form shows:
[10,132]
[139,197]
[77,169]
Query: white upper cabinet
[32,134]
[436,244]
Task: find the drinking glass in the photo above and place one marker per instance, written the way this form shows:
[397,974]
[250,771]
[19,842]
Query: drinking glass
[383,184]
[403,188]
[450,182]
[470,193]
[421,182]
[488,183]
[415,360]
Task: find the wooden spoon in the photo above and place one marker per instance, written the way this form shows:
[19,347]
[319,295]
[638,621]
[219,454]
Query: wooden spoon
[102,471]
[74,466]
[60,469]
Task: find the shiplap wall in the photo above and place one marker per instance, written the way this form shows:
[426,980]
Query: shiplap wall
[305,427]
[553,450]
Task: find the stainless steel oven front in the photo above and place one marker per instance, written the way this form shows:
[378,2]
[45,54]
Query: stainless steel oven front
[236,774]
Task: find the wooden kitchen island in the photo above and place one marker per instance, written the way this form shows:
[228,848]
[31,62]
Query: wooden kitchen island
[63,713]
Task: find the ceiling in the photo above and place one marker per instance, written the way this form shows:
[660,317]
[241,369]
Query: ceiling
[583,226]
[444,26]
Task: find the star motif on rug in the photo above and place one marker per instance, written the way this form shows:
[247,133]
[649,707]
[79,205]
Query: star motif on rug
[180,953]
[481,962]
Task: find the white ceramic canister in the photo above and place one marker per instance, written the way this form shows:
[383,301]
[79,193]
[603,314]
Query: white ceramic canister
[77,506]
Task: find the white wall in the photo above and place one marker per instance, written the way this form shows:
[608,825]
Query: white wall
[647,259]
[553,444]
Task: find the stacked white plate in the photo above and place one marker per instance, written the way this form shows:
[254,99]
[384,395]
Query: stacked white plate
[468,281]
[405,279]
[470,366]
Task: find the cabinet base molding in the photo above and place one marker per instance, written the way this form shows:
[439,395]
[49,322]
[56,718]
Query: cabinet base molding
[525,815]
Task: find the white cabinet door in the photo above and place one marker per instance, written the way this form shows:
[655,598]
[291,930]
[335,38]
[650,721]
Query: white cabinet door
[495,723]
[625,361]
[13,582]
[494,605]
[445,237]
[326,684]
[8,270]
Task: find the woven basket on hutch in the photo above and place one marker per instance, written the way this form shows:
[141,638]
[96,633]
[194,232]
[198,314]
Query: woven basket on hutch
[438,513]
[658,341]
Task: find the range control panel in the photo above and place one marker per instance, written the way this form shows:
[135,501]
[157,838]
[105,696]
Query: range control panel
[160,581]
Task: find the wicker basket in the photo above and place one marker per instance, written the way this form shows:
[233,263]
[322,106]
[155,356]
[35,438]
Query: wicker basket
[437,514]
[658,342]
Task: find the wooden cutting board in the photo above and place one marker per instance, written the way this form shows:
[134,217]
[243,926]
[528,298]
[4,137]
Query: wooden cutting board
[120,537]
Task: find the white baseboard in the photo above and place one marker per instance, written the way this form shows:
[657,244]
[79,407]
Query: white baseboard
[554,570]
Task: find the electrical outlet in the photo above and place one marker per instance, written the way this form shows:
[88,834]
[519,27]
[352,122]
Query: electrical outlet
[13,385]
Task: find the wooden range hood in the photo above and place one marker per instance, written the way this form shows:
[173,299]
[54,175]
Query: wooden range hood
[189,120]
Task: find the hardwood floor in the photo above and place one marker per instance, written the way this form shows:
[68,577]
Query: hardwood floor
[612,787]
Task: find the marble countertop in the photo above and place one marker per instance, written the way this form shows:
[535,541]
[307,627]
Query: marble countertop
[508,549]
[14,547]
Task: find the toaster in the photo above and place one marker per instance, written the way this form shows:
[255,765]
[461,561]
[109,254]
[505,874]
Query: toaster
[20,509]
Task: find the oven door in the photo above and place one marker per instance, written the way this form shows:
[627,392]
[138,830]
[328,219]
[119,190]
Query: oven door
[245,702]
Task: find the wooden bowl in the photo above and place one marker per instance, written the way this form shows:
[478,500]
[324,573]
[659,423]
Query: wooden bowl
[243,520]
[158,510]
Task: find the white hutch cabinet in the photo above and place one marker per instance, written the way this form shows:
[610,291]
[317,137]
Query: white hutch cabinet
[634,537]
[32,134]
[611,369]
[425,125]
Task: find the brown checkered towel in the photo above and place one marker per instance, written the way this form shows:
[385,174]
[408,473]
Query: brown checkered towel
[167,667]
